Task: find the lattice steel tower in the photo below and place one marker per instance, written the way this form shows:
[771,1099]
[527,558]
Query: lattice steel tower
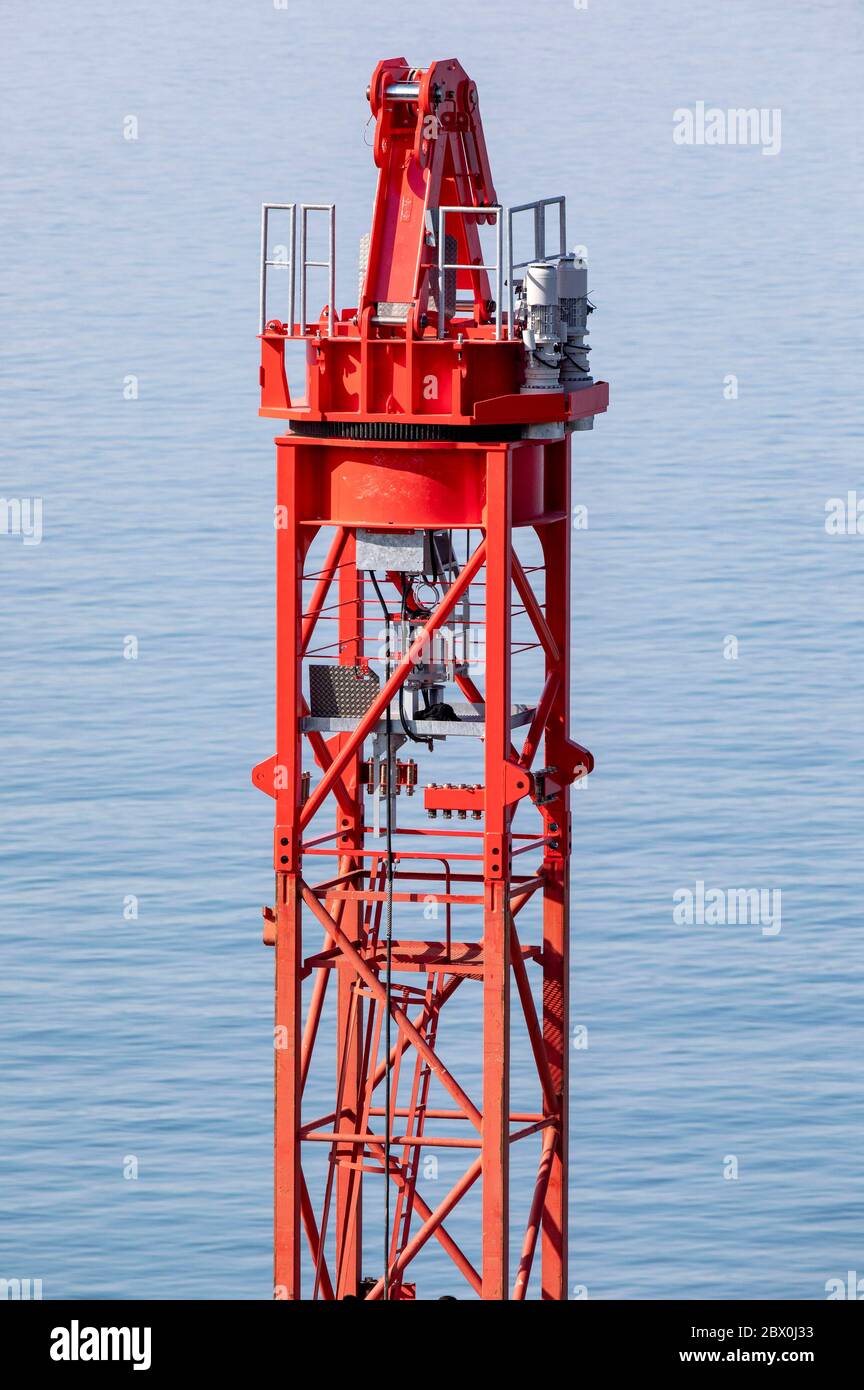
[436,422]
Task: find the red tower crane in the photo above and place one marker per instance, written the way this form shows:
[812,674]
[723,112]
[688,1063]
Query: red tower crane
[435,427]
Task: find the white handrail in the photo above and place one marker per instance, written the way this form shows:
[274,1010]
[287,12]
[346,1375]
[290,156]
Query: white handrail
[498,267]
[266,209]
[538,207]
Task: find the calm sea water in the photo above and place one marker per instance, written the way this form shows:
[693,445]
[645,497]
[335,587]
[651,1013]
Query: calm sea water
[149,1039]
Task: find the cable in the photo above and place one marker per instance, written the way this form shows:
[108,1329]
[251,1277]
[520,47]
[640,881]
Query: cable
[388,939]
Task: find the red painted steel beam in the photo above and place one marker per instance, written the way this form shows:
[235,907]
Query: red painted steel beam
[535,1034]
[350,1004]
[322,589]
[307,1212]
[541,1187]
[496,869]
[534,611]
[555,540]
[538,723]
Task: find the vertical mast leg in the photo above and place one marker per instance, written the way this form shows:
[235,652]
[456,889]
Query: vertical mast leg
[288,1178]
[496,876]
[555,539]
[349,1201]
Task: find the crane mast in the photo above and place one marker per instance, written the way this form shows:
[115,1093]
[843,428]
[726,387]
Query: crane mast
[434,432]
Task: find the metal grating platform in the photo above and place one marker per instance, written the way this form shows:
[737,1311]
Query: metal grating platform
[470,722]
[341,692]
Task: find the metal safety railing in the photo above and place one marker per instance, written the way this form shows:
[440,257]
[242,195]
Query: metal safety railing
[267,264]
[289,263]
[329,265]
[497,266]
[538,208]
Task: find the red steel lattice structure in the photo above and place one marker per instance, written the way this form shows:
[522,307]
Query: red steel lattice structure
[417,424]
